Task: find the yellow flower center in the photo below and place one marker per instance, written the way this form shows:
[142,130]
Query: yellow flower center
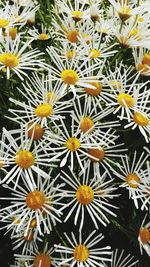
[12,33]
[42,260]
[35,200]
[77,15]
[115,84]
[15,220]
[73,36]
[69,76]
[33,223]
[4,23]
[141,19]
[36,131]
[9,60]
[86,123]
[25,159]
[133,180]
[43,36]
[81,253]
[140,119]
[94,53]
[43,110]
[134,32]
[96,91]
[71,54]
[98,153]
[125,100]
[144,235]
[142,68]
[125,12]
[85,194]
[146,59]
[73,144]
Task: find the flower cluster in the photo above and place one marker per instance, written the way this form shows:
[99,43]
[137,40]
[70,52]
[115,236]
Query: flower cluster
[78,143]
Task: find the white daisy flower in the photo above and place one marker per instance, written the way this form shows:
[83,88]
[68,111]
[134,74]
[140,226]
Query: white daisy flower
[38,258]
[70,73]
[141,115]
[132,175]
[90,121]
[18,60]
[42,35]
[144,236]
[69,145]
[124,96]
[22,158]
[34,205]
[121,259]
[90,196]
[43,104]
[81,253]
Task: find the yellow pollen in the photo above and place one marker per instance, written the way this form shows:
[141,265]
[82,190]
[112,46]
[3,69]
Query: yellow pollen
[124,13]
[43,110]
[35,200]
[4,23]
[146,59]
[94,53]
[141,19]
[81,253]
[96,91]
[125,100]
[15,220]
[144,235]
[85,194]
[24,159]
[98,153]
[140,119]
[43,36]
[33,223]
[142,68]
[12,33]
[73,36]
[69,76]
[71,54]
[42,260]
[1,164]
[77,15]
[86,123]
[36,131]
[9,60]
[133,180]
[115,84]
[73,144]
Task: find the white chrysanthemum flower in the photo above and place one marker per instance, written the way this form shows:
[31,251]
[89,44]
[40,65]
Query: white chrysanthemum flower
[40,202]
[90,121]
[106,154]
[75,10]
[142,61]
[88,195]
[82,253]
[16,59]
[104,28]
[121,259]
[38,257]
[72,146]
[70,73]
[141,115]
[42,35]
[133,176]
[144,236]
[97,49]
[22,158]
[43,104]
[124,96]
